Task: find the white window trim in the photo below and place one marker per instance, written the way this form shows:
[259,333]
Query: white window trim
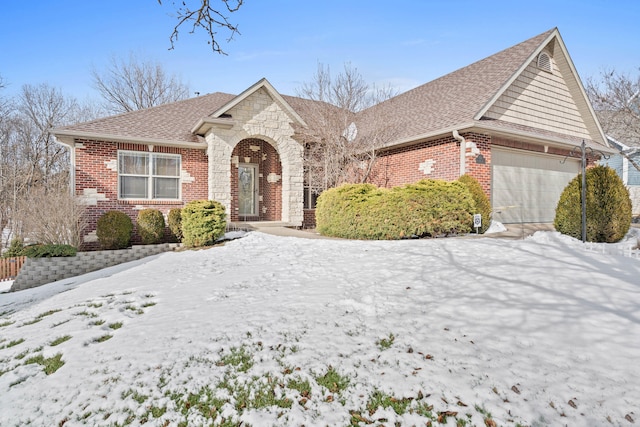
[151,176]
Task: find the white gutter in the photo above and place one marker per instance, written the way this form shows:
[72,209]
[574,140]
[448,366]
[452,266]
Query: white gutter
[72,166]
[67,137]
[463,150]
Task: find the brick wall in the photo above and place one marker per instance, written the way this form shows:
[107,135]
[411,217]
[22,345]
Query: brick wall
[435,159]
[261,153]
[96,180]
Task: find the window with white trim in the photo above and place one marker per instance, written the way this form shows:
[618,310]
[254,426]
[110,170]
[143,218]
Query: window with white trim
[148,175]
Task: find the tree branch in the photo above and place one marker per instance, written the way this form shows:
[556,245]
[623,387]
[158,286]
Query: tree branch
[206,18]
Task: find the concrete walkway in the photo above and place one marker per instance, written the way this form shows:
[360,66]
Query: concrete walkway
[514,231]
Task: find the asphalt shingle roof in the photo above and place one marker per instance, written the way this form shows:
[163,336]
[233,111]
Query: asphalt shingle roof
[457,97]
[451,100]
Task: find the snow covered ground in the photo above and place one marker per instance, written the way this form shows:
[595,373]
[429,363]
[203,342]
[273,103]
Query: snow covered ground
[270,330]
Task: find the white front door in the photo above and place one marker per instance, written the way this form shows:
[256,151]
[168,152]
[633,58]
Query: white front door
[248,189]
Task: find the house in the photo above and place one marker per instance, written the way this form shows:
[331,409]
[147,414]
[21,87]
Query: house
[509,120]
[626,163]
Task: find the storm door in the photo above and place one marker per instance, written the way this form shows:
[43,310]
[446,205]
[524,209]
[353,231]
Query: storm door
[248,189]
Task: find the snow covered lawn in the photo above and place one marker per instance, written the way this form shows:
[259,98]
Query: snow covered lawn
[271,330]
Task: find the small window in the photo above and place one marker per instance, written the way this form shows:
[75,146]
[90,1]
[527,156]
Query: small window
[148,175]
[310,197]
[544,62]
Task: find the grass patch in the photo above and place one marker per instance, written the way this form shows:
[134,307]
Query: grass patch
[60,323]
[239,358]
[148,304]
[97,322]
[386,343]
[50,364]
[6,323]
[333,381]
[31,322]
[12,343]
[87,314]
[382,400]
[94,305]
[48,313]
[103,338]
[133,308]
[116,325]
[301,386]
[60,340]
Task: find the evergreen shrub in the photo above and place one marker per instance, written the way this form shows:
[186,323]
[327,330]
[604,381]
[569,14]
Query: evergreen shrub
[114,230]
[203,222]
[49,250]
[174,221]
[608,207]
[482,202]
[151,225]
[15,249]
[428,208]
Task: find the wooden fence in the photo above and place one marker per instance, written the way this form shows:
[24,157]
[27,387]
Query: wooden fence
[10,267]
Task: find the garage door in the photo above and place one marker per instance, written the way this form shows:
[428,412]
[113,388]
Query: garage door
[526,187]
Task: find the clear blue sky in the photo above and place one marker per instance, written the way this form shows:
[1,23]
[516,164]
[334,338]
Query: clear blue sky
[402,43]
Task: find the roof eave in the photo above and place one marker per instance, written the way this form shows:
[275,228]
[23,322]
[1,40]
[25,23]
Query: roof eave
[532,137]
[483,127]
[205,124]
[68,137]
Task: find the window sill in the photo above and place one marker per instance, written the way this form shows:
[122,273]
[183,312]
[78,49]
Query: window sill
[149,202]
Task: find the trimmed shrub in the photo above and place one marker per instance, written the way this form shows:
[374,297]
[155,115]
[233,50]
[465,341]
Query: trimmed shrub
[608,207]
[150,224]
[174,221]
[114,230]
[203,222]
[49,251]
[483,205]
[428,208]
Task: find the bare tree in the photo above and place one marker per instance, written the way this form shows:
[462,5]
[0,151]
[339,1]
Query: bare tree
[343,134]
[136,84]
[616,99]
[42,108]
[31,162]
[58,219]
[209,19]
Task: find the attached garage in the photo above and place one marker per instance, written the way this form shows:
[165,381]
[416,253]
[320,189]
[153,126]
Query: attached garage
[526,187]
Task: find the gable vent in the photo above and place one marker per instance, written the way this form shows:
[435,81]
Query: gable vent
[544,62]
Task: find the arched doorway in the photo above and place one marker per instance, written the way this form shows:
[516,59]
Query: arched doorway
[256,182]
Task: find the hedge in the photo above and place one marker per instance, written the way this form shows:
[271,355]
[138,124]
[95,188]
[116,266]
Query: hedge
[428,208]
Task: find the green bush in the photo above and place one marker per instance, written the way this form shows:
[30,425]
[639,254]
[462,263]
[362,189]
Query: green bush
[48,251]
[608,207]
[482,202]
[150,224]
[16,248]
[174,221]
[203,222]
[428,208]
[114,230]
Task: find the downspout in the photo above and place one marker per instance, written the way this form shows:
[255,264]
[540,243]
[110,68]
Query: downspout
[463,151]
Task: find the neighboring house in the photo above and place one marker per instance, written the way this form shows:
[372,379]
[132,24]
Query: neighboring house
[509,120]
[626,163]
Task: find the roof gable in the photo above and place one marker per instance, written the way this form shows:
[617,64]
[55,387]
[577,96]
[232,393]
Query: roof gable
[546,96]
[273,93]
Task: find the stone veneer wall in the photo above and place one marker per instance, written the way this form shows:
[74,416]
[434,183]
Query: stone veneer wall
[259,116]
[39,271]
